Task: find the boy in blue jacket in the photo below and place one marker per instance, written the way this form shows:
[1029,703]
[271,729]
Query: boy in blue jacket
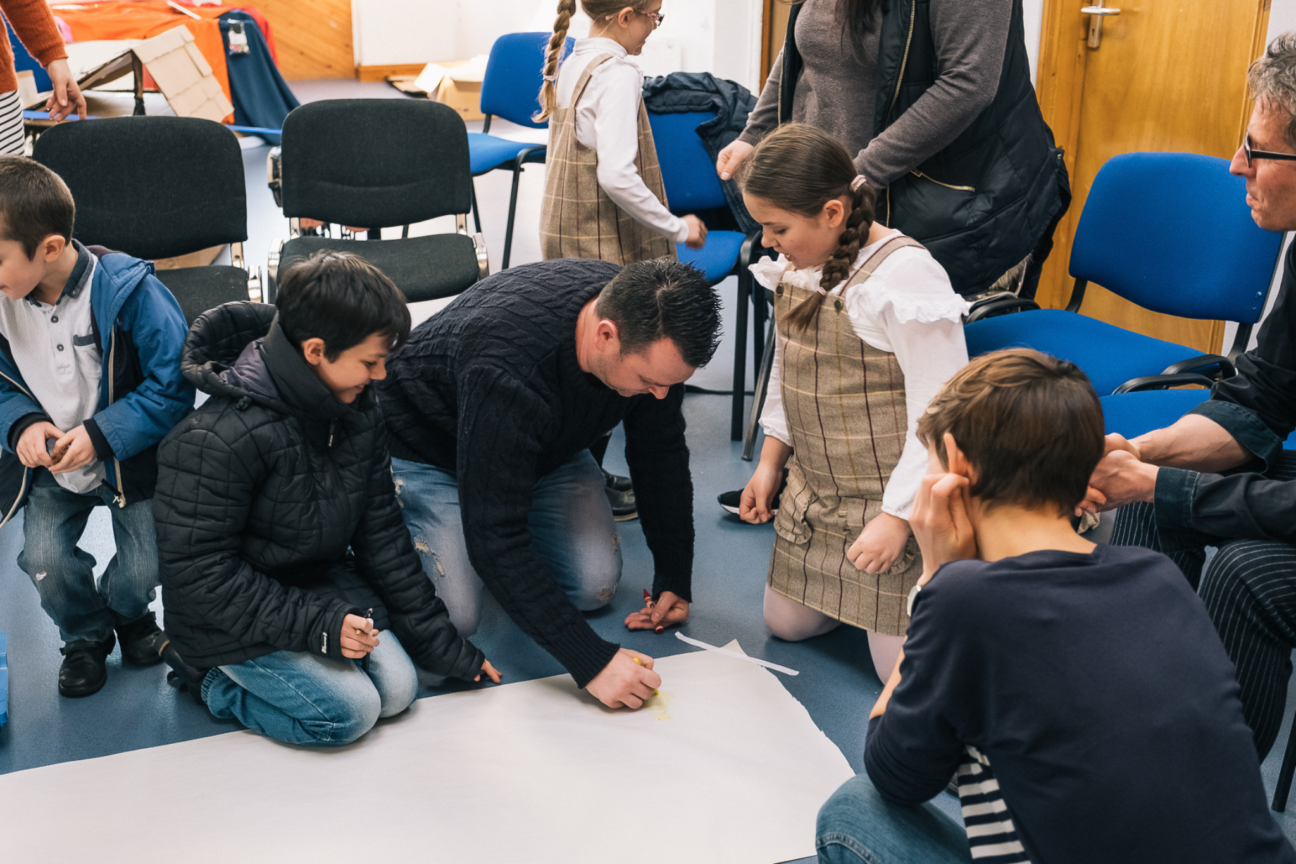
[89,384]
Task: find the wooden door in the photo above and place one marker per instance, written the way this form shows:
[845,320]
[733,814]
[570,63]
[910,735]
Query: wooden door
[773,32]
[1168,75]
[313,37]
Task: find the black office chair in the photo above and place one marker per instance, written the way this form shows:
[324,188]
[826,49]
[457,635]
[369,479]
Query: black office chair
[380,163]
[159,187]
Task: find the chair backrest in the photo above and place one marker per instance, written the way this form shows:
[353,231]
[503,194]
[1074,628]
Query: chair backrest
[375,162]
[687,169]
[1172,232]
[514,73]
[152,187]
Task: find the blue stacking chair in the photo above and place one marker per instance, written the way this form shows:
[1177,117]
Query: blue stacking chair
[689,174]
[510,89]
[1170,232]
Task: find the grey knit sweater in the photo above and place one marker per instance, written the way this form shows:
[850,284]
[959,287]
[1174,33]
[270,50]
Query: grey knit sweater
[837,91]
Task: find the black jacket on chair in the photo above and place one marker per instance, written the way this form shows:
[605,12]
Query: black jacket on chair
[276,514]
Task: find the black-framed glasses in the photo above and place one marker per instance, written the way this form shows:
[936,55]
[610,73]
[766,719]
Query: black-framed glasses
[1263,154]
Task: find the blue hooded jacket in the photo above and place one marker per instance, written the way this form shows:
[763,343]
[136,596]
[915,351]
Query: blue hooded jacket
[142,394]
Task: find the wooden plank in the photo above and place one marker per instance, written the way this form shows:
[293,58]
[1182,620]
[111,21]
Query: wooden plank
[381,73]
[313,37]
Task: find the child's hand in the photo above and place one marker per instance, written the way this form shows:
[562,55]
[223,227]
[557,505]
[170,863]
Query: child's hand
[358,637]
[72,451]
[940,522]
[731,157]
[697,232]
[669,610]
[490,672]
[880,544]
[31,444]
[627,681]
[757,500]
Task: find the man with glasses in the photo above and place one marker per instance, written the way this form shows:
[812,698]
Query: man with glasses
[1220,476]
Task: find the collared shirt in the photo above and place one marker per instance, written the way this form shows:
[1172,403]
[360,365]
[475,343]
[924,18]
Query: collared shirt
[55,350]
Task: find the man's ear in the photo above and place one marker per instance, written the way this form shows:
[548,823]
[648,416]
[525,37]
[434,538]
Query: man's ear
[607,338]
[313,350]
[956,461]
[52,247]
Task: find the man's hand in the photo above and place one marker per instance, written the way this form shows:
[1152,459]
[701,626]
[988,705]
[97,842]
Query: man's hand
[66,98]
[358,637]
[1119,479]
[697,232]
[72,451]
[880,544]
[731,158]
[489,671]
[668,611]
[32,451]
[940,522]
[757,502]
[623,683]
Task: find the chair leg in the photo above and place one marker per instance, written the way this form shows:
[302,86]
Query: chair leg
[740,356]
[758,327]
[508,231]
[1283,787]
[476,210]
[758,397]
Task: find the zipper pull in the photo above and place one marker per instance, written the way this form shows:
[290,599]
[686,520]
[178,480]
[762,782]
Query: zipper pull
[332,426]
[119,498]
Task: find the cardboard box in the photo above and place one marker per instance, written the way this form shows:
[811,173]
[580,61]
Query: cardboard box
[456,83]
[179,69]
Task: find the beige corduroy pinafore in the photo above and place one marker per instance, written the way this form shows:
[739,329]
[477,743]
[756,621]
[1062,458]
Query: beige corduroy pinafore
[577,218]
[846,416]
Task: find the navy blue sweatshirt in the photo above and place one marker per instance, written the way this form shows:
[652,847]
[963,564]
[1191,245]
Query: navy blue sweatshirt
[1098,688]
[490,390]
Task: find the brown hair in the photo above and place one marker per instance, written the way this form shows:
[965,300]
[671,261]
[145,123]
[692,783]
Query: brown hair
[1030,424]
[799,168]
[595,9]
[34,203]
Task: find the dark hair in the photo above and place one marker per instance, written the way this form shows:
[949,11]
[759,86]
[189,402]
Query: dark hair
[342,299]
[1030,424]
[663,299]
[34,203]
[800,168]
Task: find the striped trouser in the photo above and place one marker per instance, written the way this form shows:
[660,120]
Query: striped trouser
[12,136]
[1249,589]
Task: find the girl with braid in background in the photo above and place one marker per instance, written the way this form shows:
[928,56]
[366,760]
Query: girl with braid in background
[868,330]
[604,197]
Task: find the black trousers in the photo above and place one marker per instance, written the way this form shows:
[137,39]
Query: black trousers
[1249,589]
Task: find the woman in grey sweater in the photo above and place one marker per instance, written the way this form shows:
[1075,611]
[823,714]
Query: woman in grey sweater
[935,100]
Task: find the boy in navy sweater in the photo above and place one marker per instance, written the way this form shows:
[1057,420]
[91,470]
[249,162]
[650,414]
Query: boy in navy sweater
[89,383]
[1079,692]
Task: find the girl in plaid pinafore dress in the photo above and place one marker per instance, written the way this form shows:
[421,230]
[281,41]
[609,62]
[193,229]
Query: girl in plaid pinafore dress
[868,330]
[604,196]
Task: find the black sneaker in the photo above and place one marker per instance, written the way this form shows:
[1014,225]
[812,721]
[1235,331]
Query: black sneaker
[729,501]
[141,641]
[83,671]
[624,507]
[183,676]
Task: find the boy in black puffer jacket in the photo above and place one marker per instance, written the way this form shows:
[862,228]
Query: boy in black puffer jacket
[283,552]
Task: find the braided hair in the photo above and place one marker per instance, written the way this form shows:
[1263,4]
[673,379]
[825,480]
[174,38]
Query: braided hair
[800,168]
[596,10]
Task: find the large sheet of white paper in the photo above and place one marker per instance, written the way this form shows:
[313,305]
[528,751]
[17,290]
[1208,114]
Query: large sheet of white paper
[723,766]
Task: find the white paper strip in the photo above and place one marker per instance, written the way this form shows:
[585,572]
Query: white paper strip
[768,665]
[723,767]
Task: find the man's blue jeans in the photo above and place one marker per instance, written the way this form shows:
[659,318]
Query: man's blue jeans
[63,574]
[858,825]
[571,525]
[304,698]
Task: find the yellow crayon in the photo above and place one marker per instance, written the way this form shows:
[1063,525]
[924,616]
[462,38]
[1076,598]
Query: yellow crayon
[640,662]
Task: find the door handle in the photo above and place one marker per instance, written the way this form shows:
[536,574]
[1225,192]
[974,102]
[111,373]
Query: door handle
[1097,14]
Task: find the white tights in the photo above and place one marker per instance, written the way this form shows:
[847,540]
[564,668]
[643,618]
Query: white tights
[792,622]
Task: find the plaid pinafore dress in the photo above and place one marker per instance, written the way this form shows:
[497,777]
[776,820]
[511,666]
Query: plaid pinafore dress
[846,416]
[577,218]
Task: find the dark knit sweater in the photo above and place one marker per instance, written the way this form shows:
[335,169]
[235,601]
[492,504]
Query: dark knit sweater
[490,389]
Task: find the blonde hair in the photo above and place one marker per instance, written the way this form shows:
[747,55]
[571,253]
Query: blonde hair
[800,168]
[596,10]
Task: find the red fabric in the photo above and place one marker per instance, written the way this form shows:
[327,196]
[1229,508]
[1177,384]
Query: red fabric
[34,24]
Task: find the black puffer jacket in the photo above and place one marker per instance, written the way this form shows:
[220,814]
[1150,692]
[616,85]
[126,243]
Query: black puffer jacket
[276,515]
